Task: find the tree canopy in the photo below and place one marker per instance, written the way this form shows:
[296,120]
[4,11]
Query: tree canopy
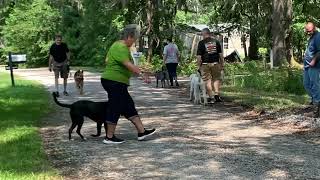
[90,27]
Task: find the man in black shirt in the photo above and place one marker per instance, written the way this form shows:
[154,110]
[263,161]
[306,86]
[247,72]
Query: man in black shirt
[59,62]
[210,62]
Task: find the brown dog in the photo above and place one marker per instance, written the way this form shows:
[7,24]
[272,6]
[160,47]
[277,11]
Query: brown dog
[78,78]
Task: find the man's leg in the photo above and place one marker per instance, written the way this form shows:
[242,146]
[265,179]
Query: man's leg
[207,78]
[65,74]
[217,86]
[314,86]
[56,78]
[209,88]
[216,77]
[56,83]
[65,83]
[307,83]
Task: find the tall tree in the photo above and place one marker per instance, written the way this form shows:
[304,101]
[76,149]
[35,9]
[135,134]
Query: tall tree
[281,21]
[29,30]
[247,16]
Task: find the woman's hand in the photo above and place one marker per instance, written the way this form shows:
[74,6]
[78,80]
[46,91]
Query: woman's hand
[133,68]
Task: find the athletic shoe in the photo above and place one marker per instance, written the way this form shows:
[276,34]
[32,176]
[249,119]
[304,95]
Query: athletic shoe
[147,133]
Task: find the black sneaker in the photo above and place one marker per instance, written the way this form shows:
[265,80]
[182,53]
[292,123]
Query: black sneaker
[65,93]
[210,100]
[147,133]
[217,98]
[113,140]
[57,93]
[177,84]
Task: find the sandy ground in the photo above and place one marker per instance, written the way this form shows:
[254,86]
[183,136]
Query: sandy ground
[192,141]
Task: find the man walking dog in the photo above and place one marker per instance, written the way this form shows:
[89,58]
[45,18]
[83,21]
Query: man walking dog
[210,61]
[59,62]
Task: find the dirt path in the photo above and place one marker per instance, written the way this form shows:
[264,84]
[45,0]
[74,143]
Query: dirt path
[193,142]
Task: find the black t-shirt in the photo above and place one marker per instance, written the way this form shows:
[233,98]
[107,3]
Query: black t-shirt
[59,52]
[209,50]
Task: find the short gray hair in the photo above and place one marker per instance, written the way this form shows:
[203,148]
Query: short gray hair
[206,30]
[131,30]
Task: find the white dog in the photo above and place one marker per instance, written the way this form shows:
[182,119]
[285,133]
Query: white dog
[197,89]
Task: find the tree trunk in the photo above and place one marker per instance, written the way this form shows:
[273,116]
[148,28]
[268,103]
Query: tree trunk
[281,19]
[244,43]
[253,47]
[149,33]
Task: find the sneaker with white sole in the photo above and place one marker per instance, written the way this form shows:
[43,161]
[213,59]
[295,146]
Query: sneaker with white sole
[217,98]
[147,133]
[113,140]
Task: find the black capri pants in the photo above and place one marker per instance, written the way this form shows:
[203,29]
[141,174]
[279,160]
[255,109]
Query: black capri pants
[120,102]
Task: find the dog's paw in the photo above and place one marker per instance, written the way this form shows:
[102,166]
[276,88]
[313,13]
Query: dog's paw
[71,139]
[84,139]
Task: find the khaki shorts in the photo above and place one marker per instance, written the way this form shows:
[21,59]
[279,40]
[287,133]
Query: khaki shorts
[60,69]
[211,71]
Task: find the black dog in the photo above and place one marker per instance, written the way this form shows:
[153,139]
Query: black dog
[163,76]
[84,108]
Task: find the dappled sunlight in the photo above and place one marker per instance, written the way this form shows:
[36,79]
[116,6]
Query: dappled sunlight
[192,141]
[15,133]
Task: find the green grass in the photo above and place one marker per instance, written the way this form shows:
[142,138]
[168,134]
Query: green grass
[261,100]
[21,109]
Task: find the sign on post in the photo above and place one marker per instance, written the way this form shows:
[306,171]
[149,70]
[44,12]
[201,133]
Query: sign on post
[18,58]
[14,59]
[136,57]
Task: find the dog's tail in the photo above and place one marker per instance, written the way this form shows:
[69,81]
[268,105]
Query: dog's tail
[60,104]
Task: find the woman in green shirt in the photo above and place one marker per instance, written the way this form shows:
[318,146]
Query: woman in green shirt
[115,80]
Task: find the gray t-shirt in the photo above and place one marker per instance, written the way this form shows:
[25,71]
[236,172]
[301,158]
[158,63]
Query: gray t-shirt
[171,52]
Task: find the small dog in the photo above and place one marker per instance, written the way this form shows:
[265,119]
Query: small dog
[84,108]
[78,78]
[163,76]
[197,88]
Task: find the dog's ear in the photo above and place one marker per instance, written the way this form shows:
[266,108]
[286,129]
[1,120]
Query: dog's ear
[81,71]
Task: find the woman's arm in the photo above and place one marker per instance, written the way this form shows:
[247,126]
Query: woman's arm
[133,68]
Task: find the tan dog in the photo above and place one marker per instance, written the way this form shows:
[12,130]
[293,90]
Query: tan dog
[78,78]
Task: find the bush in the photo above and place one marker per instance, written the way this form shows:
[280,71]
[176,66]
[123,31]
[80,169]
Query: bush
[29,29]
[253,75]
[187,66]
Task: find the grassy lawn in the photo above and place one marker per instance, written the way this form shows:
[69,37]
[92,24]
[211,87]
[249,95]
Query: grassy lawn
[21,109]
[265,100]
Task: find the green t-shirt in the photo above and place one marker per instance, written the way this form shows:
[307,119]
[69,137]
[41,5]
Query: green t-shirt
[115,70]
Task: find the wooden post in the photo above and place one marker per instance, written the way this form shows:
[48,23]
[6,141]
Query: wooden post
[11,69]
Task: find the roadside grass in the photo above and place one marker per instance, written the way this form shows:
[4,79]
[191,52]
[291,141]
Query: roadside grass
[262,100]
[21,152]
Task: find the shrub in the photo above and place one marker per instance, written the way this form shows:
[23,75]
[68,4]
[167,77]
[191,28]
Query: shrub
[253,75]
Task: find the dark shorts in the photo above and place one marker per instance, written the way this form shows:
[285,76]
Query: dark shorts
[62,70]
[120,101]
